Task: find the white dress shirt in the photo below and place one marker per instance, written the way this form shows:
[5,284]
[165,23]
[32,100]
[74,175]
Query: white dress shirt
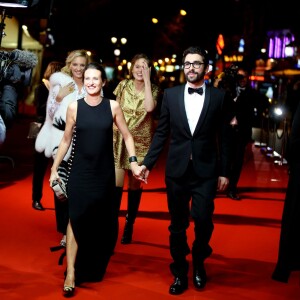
[193,106]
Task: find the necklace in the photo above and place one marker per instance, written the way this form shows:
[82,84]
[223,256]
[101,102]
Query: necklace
[93,101]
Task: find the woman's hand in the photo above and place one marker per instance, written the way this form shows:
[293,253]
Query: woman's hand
[138,172]
[146,71]
[65,91]
[54,176]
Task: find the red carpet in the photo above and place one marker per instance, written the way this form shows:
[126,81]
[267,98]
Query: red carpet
[245,239]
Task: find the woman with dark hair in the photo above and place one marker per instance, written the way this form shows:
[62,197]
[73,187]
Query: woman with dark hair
[91,182]
[138,98]
[66,86]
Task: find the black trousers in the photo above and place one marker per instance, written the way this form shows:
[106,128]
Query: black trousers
[239,144]
[40,165]
[201,192]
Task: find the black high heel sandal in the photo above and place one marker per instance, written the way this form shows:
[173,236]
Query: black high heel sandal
[68,291]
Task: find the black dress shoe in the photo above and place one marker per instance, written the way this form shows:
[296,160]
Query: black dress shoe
[178,286]
[281,274]
[199,277]
[37,205]
[233,196]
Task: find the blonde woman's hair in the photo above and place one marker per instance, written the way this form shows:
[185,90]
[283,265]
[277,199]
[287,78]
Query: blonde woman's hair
[71,56]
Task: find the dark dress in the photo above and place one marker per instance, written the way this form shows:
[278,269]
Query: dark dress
[289,243]
[91,185]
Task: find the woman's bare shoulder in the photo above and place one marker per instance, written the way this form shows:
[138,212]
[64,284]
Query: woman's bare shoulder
[114,104]
[73,105]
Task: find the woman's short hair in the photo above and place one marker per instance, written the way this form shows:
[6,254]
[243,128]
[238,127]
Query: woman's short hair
[97,66]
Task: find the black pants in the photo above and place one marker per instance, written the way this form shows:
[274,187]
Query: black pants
[40,165]
[239,144]
[180,191]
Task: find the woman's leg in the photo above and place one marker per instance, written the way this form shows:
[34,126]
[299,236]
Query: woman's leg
[71,252]
[117,198]
[133,203]
[120,175]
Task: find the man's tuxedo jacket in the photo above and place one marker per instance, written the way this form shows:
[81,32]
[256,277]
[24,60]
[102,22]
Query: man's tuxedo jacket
[208,146]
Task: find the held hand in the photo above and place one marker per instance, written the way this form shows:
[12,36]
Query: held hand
[138,172]
[222,183]
[145,173]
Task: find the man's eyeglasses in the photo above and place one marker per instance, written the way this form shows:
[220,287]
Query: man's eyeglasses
[240,76]
[195,64]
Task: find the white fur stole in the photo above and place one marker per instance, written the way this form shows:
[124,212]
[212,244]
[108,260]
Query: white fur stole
[52,131]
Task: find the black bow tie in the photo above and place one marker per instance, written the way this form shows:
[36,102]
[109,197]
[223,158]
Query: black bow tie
[192,90]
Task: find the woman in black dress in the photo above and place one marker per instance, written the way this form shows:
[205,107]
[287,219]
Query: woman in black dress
[289,243]
[91,182]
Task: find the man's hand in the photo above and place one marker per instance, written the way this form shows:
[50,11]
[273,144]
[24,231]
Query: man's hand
[145,173]
[222,183]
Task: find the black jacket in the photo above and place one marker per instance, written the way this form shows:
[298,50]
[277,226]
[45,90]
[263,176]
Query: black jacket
[210,143]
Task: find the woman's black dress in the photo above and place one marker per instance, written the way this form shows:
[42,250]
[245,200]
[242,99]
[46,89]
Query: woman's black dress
[289,243]
[91,185]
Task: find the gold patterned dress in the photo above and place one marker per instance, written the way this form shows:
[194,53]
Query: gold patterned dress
[140,123]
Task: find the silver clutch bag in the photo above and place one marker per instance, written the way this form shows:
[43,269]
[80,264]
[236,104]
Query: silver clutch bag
[59,189]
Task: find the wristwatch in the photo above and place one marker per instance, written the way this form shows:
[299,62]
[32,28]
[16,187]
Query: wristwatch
[132,159]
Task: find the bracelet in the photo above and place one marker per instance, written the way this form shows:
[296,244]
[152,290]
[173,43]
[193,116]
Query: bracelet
[132,159]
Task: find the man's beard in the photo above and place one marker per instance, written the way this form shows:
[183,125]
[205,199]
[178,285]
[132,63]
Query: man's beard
[199,77]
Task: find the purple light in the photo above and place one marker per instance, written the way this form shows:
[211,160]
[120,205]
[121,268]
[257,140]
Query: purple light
[271,47]
[278,42]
